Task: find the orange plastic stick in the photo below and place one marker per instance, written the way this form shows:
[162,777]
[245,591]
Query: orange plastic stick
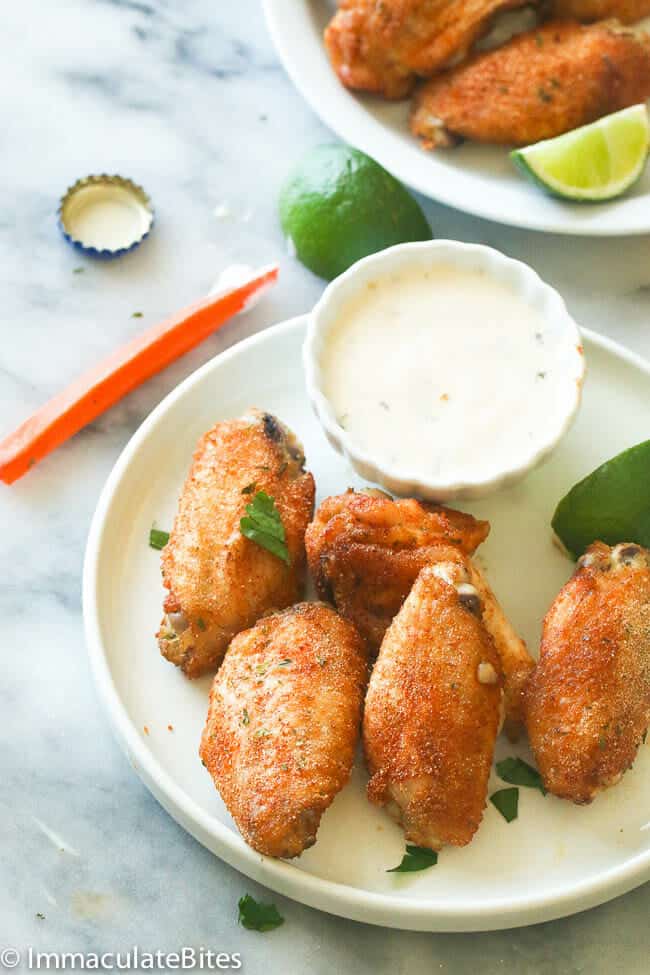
[128,367]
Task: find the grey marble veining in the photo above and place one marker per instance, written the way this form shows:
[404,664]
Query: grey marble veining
[188,99]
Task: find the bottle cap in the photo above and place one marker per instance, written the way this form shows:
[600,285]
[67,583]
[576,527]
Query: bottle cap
[105,216]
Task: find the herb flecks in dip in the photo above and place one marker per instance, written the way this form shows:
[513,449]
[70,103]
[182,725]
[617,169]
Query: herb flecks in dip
[445,372]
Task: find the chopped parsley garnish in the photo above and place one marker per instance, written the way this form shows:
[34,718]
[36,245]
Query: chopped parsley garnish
[517,772]
[136,314]
[285,663]
[201,624]
[263,525]
[416,858]
[507,802]
[257,916]
[249,488]
[158,539]
[245,718]
[78,270]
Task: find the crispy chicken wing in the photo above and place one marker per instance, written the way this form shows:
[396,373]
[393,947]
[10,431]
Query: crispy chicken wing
[588,701]
[219,581]
[538,85]
[627,11]
[283,723]
[382,46]
[365,552]
[433,711]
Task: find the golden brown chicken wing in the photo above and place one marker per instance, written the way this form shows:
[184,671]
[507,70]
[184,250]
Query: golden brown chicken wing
[587,11]
[382,46]
[365,551]
[516,662]
[538,85]
[283,723]
[220,582]
[433,711]
[588,701]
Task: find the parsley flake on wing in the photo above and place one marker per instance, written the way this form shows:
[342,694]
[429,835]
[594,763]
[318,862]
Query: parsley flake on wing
[263,525]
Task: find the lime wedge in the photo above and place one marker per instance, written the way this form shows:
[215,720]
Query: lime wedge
[612,504]
[595,162]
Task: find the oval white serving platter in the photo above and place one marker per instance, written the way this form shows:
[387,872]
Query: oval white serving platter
[477,179]
[555,859]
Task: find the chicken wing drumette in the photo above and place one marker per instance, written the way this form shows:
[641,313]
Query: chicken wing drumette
[383,46]
[588,700]
[433,711]
[540,84]
[220,582]
[283,724]
[366,550]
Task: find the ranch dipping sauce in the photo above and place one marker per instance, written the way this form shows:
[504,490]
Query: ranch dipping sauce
[445,373]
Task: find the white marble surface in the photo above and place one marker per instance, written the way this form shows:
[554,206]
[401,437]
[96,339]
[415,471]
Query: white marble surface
[189,100]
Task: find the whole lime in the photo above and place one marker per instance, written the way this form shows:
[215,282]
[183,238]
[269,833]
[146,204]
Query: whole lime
[339,205]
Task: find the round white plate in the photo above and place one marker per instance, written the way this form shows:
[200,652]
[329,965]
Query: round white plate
[555,859]
[478,179]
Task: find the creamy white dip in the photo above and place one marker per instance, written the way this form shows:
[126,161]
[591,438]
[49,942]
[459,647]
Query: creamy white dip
[444,372]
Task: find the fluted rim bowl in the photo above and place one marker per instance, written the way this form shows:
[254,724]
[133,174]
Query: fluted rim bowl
[524,282]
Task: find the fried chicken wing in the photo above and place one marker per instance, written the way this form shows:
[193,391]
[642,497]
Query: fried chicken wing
[538,85]
[433,711]
[220,582]
[516,662]
[588,700]
[283,723]
[587,11]
[365,551]
[382,46]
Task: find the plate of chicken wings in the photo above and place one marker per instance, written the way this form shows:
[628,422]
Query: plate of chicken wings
[336,691]
[439,91]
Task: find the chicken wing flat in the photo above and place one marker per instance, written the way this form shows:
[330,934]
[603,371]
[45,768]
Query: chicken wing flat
[283,723]
[538,85]
[433,711]
[365,551]
[220,582]
[382,46]
[588,701]
[587,11]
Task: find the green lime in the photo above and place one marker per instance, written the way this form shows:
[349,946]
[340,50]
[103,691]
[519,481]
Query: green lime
[339,205]
[596,162]
[612,504]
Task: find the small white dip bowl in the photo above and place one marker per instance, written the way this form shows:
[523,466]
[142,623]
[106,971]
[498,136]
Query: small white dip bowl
[429,256]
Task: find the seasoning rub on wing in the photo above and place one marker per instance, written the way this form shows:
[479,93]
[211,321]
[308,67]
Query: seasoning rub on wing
[283,724]
[433,711]
[539,85]
[588,701]
[219,580]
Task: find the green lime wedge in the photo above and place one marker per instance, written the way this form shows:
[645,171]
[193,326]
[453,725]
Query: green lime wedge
[596,162]
[339,205]
[612,504]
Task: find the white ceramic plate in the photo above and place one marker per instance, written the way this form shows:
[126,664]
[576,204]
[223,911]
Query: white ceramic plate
[478,179]
[555,859]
